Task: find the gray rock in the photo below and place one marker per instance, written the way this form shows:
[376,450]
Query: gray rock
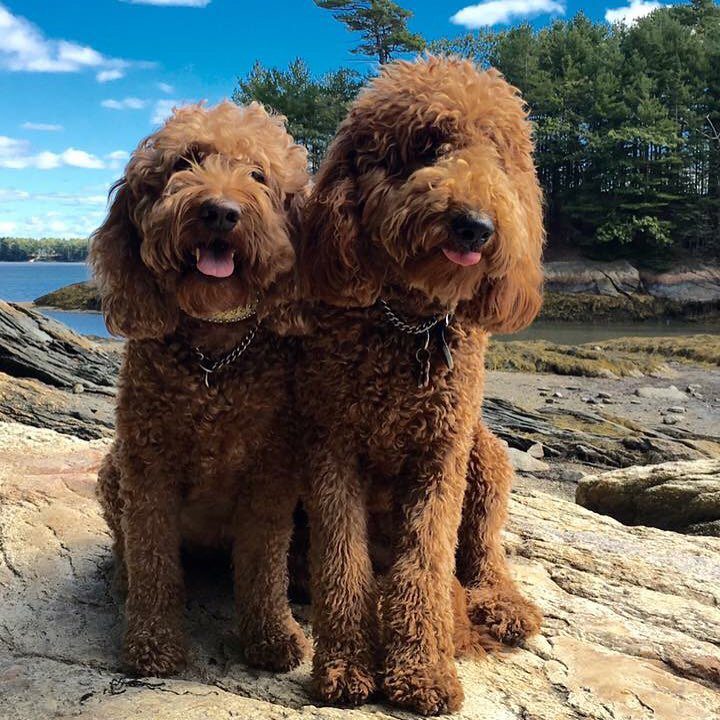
[587,276]
[604,395]
[536,450]
[670,496]
[660,393]
[51,377]
[689,283]
[524,462]
[677,409]
[33,346]
[571,475]
[671,420]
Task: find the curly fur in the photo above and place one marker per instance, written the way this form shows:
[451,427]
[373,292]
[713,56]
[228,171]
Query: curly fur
[424,141]
[192,463]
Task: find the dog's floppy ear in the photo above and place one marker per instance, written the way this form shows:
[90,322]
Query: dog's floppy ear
[334,259]
[510,299]
[133,304]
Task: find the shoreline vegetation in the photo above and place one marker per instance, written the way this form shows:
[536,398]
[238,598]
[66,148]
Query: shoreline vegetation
[14,249]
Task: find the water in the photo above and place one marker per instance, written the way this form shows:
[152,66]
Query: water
[24,282]
[571,333]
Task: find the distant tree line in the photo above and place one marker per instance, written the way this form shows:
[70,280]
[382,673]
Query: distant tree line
[627,118]
[24,249]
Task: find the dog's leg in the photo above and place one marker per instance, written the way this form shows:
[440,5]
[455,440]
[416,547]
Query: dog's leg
[271,637]
[108,493]
[154,642]
[493,598]
[416,605]
[343,586]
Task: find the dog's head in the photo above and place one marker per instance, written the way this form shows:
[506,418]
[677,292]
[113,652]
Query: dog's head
[200,223]
[430,186]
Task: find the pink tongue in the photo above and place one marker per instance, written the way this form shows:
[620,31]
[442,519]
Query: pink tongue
[216,264]
[463,258]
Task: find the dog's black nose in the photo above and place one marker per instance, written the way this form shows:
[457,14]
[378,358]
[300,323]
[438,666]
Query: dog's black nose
[220,215]
[472,230]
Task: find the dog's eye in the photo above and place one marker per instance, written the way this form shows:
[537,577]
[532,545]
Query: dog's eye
[259,176]
[191,156]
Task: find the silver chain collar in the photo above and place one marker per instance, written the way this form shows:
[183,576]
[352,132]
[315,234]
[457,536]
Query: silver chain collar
[225,360]
[410,328]
[421,331]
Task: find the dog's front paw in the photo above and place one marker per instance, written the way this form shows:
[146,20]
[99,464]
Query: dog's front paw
[342,682]
[278,648]
[155,650]
[505,612]
[425,690]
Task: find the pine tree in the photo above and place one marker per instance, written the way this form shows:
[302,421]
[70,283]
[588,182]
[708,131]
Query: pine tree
[382,25]
[313,107]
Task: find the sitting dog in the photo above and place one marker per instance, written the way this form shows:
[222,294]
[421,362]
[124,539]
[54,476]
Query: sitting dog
[422,234]
[190,263]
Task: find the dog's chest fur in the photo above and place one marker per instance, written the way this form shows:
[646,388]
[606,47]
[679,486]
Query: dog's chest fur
[359,380]
[213,436]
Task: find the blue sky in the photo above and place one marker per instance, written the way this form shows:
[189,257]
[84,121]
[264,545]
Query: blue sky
[82,81]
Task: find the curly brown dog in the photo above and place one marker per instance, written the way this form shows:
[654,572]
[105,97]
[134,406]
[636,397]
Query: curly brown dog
[189,262]
[422,234]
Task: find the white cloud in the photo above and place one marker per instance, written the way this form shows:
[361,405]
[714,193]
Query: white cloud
[42,127]
[130,103]
[163,110]
[6,228]
[107,75]
[171,3]
[81,159]
[10,195]
[24,48]
[167,89]
[494,12]
[631,13]
[16,155]
[117,158]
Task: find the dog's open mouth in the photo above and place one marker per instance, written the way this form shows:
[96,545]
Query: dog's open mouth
[466,258]
[215,260]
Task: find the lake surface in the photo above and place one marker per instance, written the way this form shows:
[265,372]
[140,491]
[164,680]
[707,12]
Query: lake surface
[25,282]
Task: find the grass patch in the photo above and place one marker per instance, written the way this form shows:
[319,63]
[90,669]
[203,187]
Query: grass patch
[546,357]
[703,349]
[624,357]
[583,307]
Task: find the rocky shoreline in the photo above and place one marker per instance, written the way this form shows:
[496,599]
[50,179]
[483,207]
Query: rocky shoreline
[631,613]
[575,290]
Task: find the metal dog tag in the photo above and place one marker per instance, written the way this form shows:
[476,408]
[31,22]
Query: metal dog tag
[442,342]
[422,357]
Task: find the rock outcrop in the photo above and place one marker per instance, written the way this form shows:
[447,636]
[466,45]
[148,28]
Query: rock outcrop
[52,377]
[681,496]
[78,296]
[687,283]
[617,291]
[594,278]
[632,616]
